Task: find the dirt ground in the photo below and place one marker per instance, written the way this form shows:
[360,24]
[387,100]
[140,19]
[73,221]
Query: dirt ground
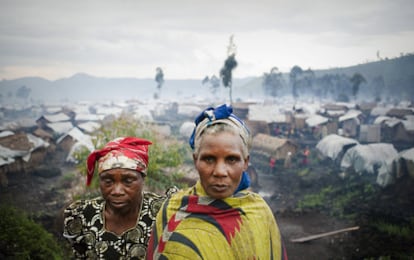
[294,225]
[394,204]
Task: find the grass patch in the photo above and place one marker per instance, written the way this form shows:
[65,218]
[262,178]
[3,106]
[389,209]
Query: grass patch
[401,231]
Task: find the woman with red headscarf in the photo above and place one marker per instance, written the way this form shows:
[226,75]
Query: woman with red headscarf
[118,223]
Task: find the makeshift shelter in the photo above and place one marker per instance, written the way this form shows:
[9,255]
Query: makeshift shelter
[186,129]
[300,120]
[73,141]
[20,153]
[404,132]
[400,112]
[275,117]
[369,159]
[257,127]
[89,127]
[370,133]
[75,135]
[350,122]
[241,109]
[265,147]
[316,120]
[396,130]
[406,163]
[400,166]
[58,128]
[47,119]
[321,126]
[334,146]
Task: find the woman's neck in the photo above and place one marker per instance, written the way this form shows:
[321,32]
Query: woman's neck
[119,221]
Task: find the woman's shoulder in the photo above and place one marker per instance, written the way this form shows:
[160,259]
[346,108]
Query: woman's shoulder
[168,193]
[80,205]
[249,196]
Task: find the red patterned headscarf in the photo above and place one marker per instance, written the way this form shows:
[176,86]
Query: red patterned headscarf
[123,152]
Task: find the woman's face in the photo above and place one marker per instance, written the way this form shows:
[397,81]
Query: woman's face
[121,188]
[220,163]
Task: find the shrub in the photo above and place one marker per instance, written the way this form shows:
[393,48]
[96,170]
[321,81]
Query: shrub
[164,153]
[22,238]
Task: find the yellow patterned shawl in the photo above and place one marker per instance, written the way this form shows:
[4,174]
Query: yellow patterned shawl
[191,225]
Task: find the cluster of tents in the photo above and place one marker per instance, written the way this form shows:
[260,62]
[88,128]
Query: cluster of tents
[381,161]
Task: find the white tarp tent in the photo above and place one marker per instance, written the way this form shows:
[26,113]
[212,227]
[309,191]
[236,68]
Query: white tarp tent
[408,157]
[186,129]
[332,145]
[371,158]
[402,165]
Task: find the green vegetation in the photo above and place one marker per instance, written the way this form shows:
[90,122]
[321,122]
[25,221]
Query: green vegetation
[22,238]
[316,200]
[337,200]
[402,231]
[165,155]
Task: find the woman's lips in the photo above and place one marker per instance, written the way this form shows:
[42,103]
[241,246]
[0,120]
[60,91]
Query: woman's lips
[219,188]
[118,203]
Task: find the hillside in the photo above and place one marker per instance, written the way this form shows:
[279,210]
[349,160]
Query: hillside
[396,77]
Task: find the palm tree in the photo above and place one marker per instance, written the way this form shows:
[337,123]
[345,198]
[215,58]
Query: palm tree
[272,82]
[159,78]
[294,75]
[356,80]
[229,64]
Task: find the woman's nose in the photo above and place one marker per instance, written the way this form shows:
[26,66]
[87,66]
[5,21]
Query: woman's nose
[118,189]
[220,170]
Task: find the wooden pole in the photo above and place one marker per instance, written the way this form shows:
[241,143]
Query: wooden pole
[308,238]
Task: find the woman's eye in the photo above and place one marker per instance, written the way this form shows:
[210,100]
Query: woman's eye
[232,159]
[107,181]
[128,180]
[208,159]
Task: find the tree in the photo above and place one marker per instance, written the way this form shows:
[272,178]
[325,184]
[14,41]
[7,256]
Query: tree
[229,64]
[159,78]
[306,81]
[326,86]
[272,82]
[214,82]
[356,80]
[294,74]
[379,86]
[23,92]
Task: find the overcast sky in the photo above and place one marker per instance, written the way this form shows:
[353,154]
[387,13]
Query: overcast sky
[188,39]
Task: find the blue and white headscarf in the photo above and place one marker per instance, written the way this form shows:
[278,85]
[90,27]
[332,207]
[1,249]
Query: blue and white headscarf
[222,114]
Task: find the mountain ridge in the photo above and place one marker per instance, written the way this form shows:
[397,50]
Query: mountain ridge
[397,74]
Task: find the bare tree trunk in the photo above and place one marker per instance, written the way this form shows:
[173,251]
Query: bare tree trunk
[231,93]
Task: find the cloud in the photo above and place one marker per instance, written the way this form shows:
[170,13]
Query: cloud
[188,40]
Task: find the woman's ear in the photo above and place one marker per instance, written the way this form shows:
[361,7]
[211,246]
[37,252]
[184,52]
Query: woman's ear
[194,158]
[246,162]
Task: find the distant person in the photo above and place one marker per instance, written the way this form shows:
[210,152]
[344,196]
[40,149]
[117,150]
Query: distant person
[218,217]
[288,161]
[305,154]
[277,130]
[272,164]
[116,225]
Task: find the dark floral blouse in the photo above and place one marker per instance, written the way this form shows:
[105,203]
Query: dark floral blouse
[84,228]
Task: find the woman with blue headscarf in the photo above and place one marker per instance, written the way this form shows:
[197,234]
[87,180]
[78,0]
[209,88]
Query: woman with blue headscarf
[219,217]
